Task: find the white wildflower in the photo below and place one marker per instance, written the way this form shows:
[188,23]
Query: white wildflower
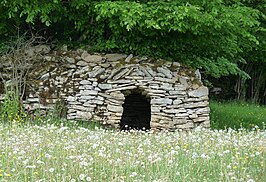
[250,180]
[51,170]
[39,162]
[31,167]
[82,177]
[133,174]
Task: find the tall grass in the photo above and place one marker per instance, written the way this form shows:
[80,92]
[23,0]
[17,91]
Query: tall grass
[237,115]
[53,153]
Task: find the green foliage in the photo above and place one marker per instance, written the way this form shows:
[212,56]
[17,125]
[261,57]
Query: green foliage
[213,36]
[237,115]
[59,110]
[11,110]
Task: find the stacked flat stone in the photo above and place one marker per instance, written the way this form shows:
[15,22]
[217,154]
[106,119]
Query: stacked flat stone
[94,87]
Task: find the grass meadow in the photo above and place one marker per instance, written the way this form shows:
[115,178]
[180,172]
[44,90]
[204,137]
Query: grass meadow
[60,153]
[58,150]
[237,115]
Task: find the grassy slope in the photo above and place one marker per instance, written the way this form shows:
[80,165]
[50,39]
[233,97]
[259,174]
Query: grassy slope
[236,115]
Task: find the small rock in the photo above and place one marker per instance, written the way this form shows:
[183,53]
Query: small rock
[197,74]
[161,101]
[165,71]
[89,92]
[177,102]
[90,58]
[122,88]
[105,86]
[71,99]
[82,63]
[115,57]
[47,58]
[176,64]
[200,92]
[183,81]
[85,82]
[127,60]
[70,60]
[45,76]
[114,108]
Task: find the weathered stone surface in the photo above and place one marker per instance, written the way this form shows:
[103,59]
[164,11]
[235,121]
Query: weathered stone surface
[84,115]
[176,64]
[161,101]
[197,74]
[71,99]
[114,108]
[201,119]
[86,87]
[32,100]
[105,86]
[99,85]
[166,80]
[96,72]
[122,81]
[171,111]
[177,92]
[155,109]
[178,121]
[165,71]
[122,88]
[196,104]
[82,63]
[146,73]
[87,97]
[200,92]
[114,101]
[177,101]
[180,87]
[70,60]
[183,81]
[117,95]
[115,57]
[181,115]
[205,110]
[89,92]
[155,91]
[193,116]
[188,125]
[90,58]
[120,74]
[38,49]
[167,87]
[94,101]
[85,82]
[127,60]
[45,76]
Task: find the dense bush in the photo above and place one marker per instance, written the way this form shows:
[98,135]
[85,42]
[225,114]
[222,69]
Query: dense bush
[220,37]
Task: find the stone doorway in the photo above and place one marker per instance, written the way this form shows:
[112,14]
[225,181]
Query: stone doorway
[137,113]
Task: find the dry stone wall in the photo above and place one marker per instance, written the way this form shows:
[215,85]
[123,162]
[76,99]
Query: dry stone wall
[94,86]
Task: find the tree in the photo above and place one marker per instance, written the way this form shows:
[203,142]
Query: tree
[212,36]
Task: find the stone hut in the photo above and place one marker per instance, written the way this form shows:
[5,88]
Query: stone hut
[119,90]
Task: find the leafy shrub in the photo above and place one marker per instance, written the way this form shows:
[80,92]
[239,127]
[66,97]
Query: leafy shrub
[208,35]
[12,111]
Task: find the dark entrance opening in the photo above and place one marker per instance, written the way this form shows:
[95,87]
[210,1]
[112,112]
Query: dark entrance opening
[137,113]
